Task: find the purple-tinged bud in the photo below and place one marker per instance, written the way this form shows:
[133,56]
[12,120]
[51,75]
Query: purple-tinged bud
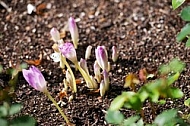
[102,57]
[106,80]
[55,34]
[83,65]
[68,50]
[97,71]
[74,31]
[88,52]
[115,53]
[35,78]
[102,88]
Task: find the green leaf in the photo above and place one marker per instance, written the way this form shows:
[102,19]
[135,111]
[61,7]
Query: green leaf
[187,102]
[3,111]
[165,117]
[175,93]
[188,43]
[173,78]
[23,121]
[140,122]
[114,117]
[134,103]
[3,122]
[177,3]
[161,102]
[130,121]
[164,69]
[183,33]
[119,101]
[176,65]
[185,13]
[15,108]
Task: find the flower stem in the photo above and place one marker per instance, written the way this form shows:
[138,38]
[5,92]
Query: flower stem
[57,106]
[71,72]
[85,75]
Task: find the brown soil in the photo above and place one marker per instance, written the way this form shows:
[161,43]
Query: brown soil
[143,30]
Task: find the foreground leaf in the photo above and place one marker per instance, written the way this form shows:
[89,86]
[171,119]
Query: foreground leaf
[3,122]
[118,102]
[177,3]
[15,108]
[114,117]
[185,13]
[23,121]
[175,93]
[187,102]
[183,33]
[131,121]
[188,43]
[166,117]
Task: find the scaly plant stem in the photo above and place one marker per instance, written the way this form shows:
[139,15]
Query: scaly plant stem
[72,75]
[85,75]
[57,106]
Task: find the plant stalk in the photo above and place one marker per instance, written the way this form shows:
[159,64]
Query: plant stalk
[71,72]
[57,106]
[85,75]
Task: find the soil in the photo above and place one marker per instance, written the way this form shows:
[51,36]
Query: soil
[143,30]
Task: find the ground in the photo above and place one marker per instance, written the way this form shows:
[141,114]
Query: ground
[143,30]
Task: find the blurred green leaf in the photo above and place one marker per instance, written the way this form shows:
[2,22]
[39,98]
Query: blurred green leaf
[131,121]
[183,33]
[173,78]
[23,121]
[3,122]
[3,111]
[114,117]
[188,43]
[15,108]
[166,118]
[185,13]
[175,93]
[177,3]
[161,102]
[187,102]
[134,103]
[119,101]
[164,69]
[176,65]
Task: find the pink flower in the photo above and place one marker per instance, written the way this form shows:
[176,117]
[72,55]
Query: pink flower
[68,50]
[35,78]
[74,31]
[55,34]
[102,57]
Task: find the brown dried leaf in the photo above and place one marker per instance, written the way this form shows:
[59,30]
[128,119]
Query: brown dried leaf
[35,62]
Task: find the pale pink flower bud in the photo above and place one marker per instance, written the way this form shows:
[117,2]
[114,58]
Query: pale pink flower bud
[97,71]
[115,53]
[83,65]
[55,34]
[102,57]
[68,50]
[88,52]
[74,31]
[35,78]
